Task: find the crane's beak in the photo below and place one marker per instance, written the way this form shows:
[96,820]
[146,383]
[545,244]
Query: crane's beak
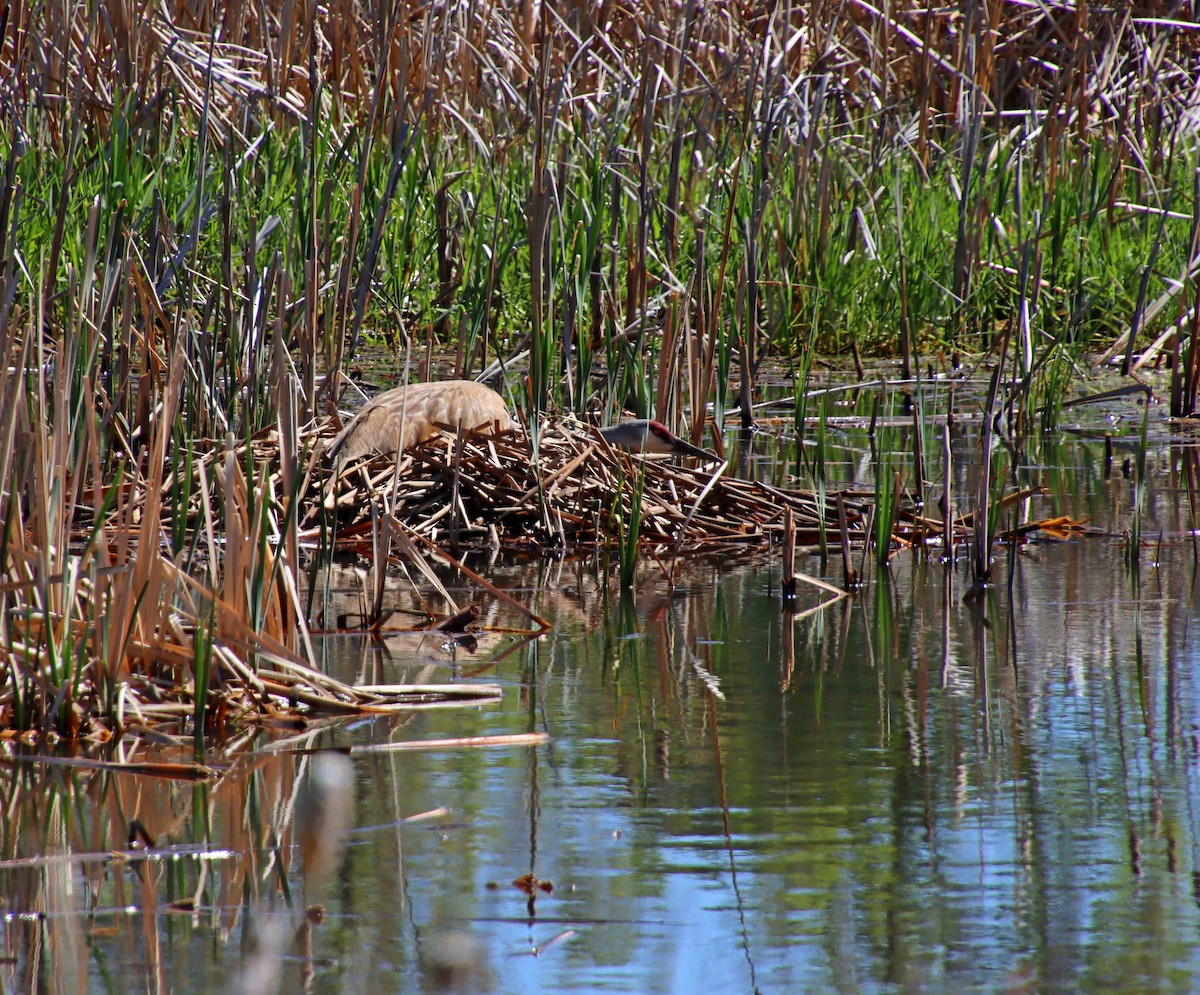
[684,448]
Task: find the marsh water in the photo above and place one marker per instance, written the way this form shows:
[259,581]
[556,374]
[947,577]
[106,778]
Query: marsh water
[898,792]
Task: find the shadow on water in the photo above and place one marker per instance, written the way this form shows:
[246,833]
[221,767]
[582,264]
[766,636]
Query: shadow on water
[901,791]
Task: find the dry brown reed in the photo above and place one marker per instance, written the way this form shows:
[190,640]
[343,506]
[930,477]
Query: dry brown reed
[469,68]
[104,632]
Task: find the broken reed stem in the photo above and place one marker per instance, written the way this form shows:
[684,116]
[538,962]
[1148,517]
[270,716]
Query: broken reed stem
[789,555]
[455,490]
[918,453]
[849,576]
[947,495]
[981,541]
[381,548]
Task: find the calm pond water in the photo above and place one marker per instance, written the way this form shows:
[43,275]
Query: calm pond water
[901,792]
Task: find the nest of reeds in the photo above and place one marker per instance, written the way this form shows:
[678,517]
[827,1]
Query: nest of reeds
[572,492]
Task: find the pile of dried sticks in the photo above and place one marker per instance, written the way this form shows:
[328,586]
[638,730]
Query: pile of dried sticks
[572,491]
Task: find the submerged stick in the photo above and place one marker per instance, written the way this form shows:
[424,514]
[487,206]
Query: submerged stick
[460,743]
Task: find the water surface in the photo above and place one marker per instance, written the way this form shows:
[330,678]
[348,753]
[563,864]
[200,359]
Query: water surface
[901,792]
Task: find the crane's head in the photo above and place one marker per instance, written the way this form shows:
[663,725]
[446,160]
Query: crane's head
[645,436]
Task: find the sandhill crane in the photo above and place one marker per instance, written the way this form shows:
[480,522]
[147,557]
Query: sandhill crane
[644,436]
[406,416]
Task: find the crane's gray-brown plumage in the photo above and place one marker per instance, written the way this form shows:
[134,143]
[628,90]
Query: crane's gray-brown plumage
[406,416]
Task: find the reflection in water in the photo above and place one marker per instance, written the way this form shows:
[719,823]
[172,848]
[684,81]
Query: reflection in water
[900,792]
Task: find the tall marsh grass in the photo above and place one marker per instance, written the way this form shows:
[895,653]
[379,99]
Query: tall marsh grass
[207,210]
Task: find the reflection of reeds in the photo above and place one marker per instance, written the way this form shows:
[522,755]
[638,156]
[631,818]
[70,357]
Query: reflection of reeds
[1133,538]
[629,526]
[887,497]
[1191,480]
[885,504]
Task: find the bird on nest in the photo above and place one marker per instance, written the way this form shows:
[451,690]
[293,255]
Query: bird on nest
[406,416]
